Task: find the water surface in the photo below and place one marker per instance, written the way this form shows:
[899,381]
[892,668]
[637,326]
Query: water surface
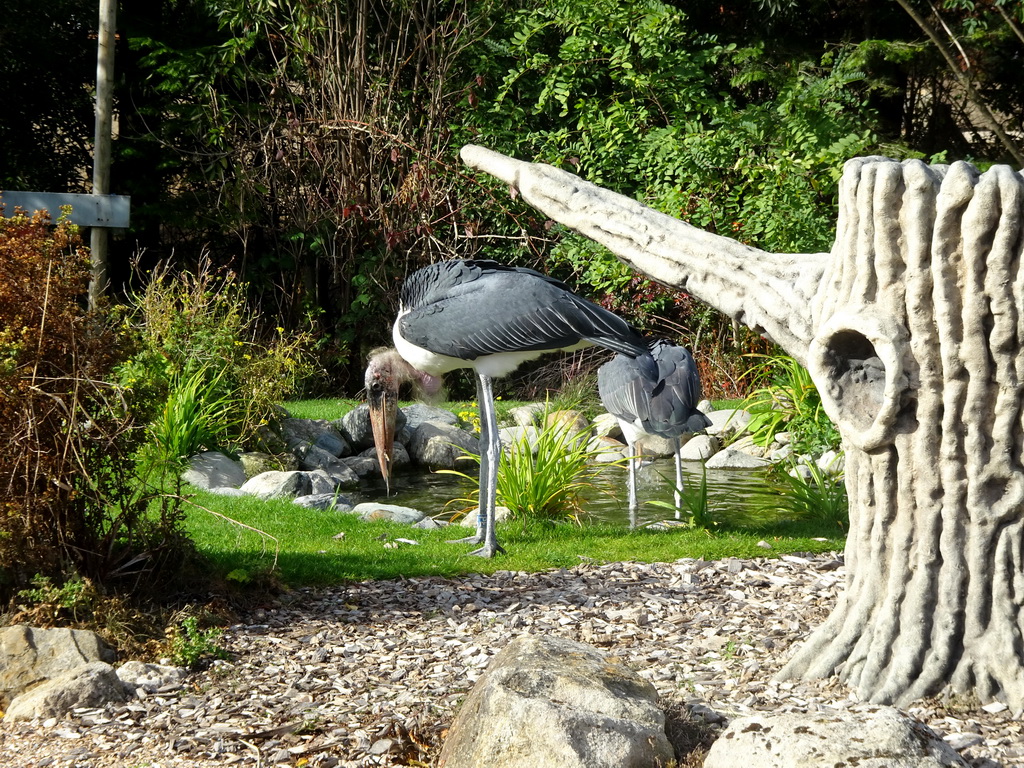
[735,497]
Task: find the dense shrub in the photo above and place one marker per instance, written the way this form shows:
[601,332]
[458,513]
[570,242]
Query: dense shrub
[204,372]
[69,505]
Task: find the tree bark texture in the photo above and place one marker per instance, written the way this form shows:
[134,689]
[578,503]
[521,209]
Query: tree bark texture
[913,330]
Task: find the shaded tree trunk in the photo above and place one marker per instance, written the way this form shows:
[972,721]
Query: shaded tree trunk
[912,331]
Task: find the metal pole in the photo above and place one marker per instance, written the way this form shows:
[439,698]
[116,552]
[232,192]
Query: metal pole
[102,142]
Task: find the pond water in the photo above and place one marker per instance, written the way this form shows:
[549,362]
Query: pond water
[735,497]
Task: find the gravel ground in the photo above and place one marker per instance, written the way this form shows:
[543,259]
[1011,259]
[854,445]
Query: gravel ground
[370,674]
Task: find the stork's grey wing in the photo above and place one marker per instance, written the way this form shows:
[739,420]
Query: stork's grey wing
[475,312]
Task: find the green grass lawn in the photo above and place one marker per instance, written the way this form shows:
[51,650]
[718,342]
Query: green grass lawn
[246,538]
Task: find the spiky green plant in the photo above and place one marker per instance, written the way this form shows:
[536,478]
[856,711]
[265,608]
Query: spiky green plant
[788,401]
[813,493]
[195,416]
[694,501]
[544,478]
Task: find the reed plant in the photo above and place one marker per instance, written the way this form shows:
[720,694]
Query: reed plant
[544,476]
[695,502]
[196,415]
[788,401]
[813,493]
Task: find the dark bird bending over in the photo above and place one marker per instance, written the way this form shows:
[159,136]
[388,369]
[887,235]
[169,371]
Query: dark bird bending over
[491,318]
[667,408]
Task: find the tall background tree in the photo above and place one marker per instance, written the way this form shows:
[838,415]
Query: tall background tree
[311,148]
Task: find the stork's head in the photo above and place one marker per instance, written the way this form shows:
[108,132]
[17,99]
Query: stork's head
[386,371]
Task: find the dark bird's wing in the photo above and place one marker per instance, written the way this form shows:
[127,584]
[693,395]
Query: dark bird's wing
[624,392]
[668,408]
[674,406]
[467,309]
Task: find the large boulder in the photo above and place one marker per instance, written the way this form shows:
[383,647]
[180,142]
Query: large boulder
[442,446]
[275,485]
[90,685]
[355,426]
[213,469]
[421,413]
[728,422]
[29,656]
[549,701]
[730,458]
[257,462]
[370,510]
[699,448]
[318,433]
[875,737]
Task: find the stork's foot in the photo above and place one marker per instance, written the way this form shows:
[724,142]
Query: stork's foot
[476,538]
[489,549]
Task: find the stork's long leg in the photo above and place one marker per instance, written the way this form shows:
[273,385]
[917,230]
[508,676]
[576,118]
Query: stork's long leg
[485,474]
[489,457]
[679,476]
[631,484]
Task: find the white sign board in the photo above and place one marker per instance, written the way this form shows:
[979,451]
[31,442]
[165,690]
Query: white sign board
[86,210]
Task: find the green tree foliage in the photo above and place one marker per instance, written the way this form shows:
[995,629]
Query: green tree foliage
[309,140]
[632,95]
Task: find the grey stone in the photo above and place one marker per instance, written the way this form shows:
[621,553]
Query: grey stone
[318,433]
[421,413]
[226,491]
[732,459]
[654,446]
[314,457]
[272,485]
[875,737]
[368,511]
[527,415]
[501,514]
[747,445]
[549,701]
[510,436]
[355,427]
[135,675]
[89,685]
[325,501]
[29,655]
[607,449]
[257,462]
[606,425]
[366,464]
[699,448]
[728,422]
[213,469]
[441,446]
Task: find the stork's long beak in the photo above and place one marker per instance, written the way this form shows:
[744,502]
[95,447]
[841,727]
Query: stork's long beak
[383,414]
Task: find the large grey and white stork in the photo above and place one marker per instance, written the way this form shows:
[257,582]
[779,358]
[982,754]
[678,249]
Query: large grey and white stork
[491,318]
[667,408]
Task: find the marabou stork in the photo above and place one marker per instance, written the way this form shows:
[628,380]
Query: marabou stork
[667,408]
[491,318]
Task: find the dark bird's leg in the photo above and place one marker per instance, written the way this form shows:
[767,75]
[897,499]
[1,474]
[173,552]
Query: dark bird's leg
[490,455]
[679,476]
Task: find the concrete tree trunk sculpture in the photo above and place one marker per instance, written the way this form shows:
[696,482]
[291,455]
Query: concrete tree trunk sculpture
[913,330]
